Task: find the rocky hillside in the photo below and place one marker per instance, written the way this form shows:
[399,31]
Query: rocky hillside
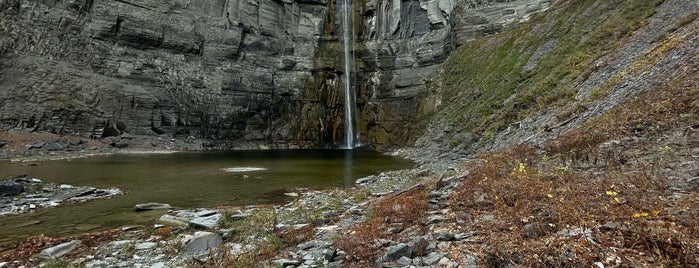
[568,140]
[562,68]
[240,73]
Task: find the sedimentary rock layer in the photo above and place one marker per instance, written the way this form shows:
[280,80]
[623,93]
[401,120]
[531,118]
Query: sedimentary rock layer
[240,71]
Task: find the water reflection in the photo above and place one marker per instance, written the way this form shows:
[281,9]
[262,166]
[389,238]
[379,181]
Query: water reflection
[348,167]
[186,180]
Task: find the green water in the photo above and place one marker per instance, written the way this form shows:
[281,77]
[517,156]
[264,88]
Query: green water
[184,180]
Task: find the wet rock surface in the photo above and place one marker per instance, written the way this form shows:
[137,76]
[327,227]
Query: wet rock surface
[23,194]
[151,206]
[59,250]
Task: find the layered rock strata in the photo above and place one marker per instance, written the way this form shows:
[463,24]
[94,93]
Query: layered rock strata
[245,72]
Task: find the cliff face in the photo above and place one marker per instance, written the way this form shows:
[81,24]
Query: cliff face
[214,69]
[402,43]
[245,72]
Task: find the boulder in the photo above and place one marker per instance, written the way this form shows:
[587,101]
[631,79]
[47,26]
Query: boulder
[36,145]
[330,254]
[400,250]
[405,261]
[25,179]
[209,221]
[366,179]
[206,218]
[286,262]
[433,258]
[59,250]
[52,146]
[172,220]
[11,189]
[202,242]
[119,145]
[145,245]
[444,236]
[151,206]
[307,245]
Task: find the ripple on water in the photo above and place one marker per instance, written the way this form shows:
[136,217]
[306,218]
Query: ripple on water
[243,169]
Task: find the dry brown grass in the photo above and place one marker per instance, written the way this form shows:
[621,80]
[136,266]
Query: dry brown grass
[669,106]
[534,204]
[23,251]
[362,244]
[535,196]
[627,209]
[297,236]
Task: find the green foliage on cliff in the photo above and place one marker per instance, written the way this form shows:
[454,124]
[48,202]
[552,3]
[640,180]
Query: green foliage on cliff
[494,81]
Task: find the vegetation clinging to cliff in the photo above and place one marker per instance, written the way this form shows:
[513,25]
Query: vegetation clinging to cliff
[494,81]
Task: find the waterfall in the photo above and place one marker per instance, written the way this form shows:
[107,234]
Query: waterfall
[349,100]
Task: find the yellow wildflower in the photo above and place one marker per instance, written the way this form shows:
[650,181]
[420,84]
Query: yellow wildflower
[640,214]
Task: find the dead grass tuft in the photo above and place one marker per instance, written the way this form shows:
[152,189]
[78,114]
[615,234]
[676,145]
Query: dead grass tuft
[545,216]
[297,236]
[362,243]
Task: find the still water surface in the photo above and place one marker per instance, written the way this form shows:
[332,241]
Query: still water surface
[185,180]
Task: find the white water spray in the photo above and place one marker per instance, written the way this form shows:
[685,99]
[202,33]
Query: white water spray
[349,100]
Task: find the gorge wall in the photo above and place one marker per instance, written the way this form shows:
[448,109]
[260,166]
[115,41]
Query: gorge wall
[247,73]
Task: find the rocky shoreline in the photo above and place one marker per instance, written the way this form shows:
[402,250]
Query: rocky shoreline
[197,236]
[318,227]
[194,236]
[30,147]
[449,211]
[22,194]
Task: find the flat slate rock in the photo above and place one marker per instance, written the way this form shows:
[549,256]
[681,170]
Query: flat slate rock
[52,146]
[145,245]
[59,250]
[395,252]
[151,206]
[202,242]
[286,262]
[74,192]
[173,220]
[210,221]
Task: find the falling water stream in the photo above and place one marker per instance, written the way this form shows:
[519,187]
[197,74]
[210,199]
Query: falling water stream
[346,8]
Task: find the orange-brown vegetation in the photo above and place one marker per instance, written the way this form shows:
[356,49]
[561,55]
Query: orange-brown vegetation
[35,244]
[362,243]
[583,199]
[570,205]
[552,216]
[670,106]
